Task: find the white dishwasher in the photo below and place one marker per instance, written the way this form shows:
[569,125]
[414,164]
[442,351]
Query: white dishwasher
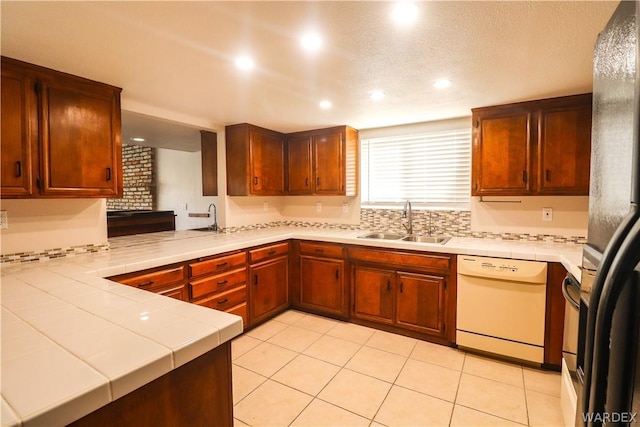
[501,306]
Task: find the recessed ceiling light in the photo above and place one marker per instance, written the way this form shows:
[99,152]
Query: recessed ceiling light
[325,105]
[311,42]
[377,95]
[442,83]
[137,139]
[404,13]
[244,62]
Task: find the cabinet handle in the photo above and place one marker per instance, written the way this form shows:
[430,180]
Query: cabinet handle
[223,282]
[401,287]
[475,186]
[38,184]
[255,279]
[272,252]
[222,301]
[524,176]
[145,284]
[222,264]
[388,285]
[18,169]
[318,182]
[319,250]
[306,182]
[108,174]
[337,274]
[548,175]
[255,180]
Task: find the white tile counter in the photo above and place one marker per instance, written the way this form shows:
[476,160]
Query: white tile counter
[73,341]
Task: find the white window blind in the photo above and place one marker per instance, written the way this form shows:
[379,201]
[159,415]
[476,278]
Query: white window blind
[432,168]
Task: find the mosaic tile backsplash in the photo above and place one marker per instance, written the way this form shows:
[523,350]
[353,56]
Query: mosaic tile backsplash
[454,223]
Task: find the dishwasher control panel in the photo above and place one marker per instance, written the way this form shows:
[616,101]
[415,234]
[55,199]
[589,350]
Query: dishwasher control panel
[503,269]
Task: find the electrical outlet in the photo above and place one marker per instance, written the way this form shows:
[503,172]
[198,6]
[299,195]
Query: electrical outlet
[345,208]
[4,219]
[185,207]
[319,207]
[547,214]
[265,206]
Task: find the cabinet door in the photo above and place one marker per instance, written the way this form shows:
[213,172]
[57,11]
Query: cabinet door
[322,285]
[420,303]
[80,137]
[565,151]
[269,288]
[373,291]
[501,155]
[19,134]
[300,170]
[329,163]
[267,163]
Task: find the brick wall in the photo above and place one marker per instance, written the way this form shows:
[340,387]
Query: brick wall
[139,179]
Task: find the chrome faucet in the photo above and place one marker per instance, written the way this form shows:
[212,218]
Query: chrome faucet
[213,226]
[406,213]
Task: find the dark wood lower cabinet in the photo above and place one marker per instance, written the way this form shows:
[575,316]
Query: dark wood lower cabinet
[268,288]
[196,394]
[554,316]
[322,285]
[373,294]
[420,302]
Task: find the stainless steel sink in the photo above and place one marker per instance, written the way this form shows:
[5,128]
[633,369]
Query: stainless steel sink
[381,236]
[426,239]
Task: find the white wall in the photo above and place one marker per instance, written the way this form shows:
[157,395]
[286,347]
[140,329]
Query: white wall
[39,224]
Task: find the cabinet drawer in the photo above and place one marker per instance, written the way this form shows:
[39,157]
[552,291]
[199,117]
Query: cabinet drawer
[321,249]
[240,310]
[225,300]
[257,255]
[218,264]
[399,259]
[217,283]
[154,280]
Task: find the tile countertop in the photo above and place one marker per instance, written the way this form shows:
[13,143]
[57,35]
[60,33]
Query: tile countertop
[73,341]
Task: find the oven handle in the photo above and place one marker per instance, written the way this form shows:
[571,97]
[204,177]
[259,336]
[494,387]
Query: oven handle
[568,281]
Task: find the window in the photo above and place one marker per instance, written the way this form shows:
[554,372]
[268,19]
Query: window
[432,168]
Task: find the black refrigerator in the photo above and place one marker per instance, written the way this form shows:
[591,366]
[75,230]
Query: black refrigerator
[609,339]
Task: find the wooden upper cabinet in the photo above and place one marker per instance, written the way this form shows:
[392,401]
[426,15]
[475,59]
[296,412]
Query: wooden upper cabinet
[19,136]
[323,161]
[67,130]
[255,161]
[531,148]
[501,153]
[209,153]
[564,150]
[300,165]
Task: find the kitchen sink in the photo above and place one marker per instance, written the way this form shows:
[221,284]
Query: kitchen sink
[381,236]
[426,239]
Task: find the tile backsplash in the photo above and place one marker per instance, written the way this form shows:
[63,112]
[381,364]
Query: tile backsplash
[454,223]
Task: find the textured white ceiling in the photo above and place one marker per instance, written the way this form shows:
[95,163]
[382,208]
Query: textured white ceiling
[175,60]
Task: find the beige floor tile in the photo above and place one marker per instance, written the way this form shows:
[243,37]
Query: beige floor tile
[267,330]
[320,413]
[392,343]
[332,350]
[493,369]
[351,332]
[290,316]
[438,355]
[266,359]
[238,423]
[465,417]
[356,393]
[543,409]
[294,338]
[244,382]
[377,363]
[306,374]
[242,344]
[404,407]
[271,404]
[493,397]
[547,382]
[316,323]
[430,379]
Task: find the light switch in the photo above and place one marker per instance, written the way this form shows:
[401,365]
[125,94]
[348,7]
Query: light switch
[4,219]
